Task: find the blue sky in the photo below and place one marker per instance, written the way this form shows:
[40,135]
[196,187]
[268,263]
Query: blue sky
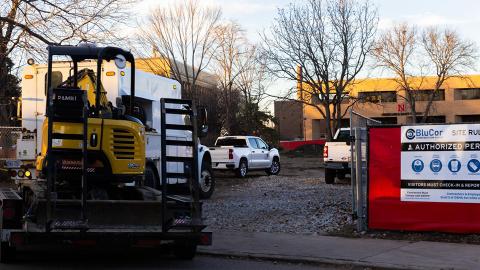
[257,15]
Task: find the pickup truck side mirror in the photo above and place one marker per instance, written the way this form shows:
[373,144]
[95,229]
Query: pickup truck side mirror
[202,118]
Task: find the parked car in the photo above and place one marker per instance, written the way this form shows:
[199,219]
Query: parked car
[337,156]
[244,153]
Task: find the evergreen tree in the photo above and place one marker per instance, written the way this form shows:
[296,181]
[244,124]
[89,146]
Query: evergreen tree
[9,93]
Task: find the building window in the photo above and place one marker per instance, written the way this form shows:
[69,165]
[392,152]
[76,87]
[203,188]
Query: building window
[467,93]
[473,118]
[317,98]
[378,96]
[424,95]
[439,119]
[387,120]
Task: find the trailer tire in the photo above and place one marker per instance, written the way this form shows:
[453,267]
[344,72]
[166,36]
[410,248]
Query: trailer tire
[185,252]
[242,170]
[151,179]
[7,253]
[207,180]
[330,176]
[341,175]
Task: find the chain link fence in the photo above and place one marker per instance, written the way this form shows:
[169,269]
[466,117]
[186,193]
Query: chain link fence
[8,142]
[358,147]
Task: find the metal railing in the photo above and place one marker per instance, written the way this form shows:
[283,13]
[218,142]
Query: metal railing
[359,173]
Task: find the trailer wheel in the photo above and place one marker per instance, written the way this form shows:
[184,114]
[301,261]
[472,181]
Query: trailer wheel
[330,176]
[341,175]
[207,180]
[151,179]
[7,253]
[185,252]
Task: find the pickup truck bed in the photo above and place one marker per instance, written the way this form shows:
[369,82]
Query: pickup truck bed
[337,156]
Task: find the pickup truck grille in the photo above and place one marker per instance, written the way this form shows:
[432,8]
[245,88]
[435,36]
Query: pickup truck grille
[123,146]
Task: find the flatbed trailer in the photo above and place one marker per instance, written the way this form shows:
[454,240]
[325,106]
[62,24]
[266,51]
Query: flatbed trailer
[129,223]
[109,238]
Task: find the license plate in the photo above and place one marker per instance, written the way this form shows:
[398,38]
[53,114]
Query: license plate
[13,163]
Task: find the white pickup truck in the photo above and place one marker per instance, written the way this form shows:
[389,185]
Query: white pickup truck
[337,156]
[244,153]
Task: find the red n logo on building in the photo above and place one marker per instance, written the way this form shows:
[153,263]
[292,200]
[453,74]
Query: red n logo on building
[400,107]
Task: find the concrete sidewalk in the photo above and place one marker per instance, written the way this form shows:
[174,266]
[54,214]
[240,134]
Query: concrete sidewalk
[375,253]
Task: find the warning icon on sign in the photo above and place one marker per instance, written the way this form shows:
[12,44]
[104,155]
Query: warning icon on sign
[454,165]
[435,165]
[473,165]
[417,165]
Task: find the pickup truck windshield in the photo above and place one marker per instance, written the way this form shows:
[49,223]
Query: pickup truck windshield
[231,142]
[343,136]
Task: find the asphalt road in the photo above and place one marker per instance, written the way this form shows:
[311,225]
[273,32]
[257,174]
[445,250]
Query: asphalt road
[71,259]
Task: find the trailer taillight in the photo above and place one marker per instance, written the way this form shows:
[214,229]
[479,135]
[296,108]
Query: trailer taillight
[230,153]
[206,239]
[13,173]
[325,151]
[11,209]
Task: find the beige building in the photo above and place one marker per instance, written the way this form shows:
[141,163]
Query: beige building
[458,101]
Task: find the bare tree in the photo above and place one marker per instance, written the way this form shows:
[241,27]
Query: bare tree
[183,37]
[450,55]
[231,60]
[328,40]
[412,57]
[395,50]
[242,81]
[27,26]
[253,83]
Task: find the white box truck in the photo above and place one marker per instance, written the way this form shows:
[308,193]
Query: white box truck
[150,89]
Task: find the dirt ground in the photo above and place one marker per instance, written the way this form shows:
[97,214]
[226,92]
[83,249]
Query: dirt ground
[296,201]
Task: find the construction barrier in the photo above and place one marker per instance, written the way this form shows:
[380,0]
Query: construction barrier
[293,145]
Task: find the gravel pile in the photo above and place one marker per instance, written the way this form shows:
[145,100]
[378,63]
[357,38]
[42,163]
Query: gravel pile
[290,204]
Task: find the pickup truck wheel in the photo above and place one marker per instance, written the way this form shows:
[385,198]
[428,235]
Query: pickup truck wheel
[185,252]
[330,176]
[274,168]
[207,181]
[242,169]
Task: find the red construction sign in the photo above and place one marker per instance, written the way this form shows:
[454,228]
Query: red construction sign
[386,210]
